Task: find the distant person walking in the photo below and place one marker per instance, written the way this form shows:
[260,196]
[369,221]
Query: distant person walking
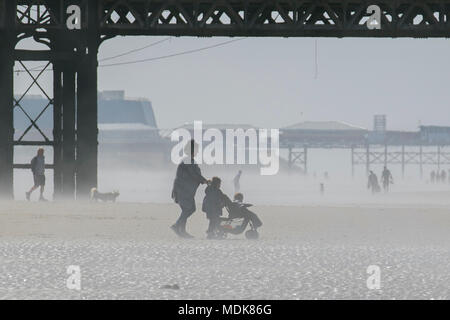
[443,176]
[387,179]
[432,176]
[38,169]
[187,180]
[237,182]
[373,184]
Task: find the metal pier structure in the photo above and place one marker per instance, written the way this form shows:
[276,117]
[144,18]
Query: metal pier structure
[405,154]
[370,155]
[73,30]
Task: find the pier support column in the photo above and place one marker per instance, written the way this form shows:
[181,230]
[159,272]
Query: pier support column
[367,159]
[87,129]
[421,162]
[439,159]
[7,44]
[68,132]
[6,119]
[353,161]
[403,162]
[290,158]
[57,131]
[305,158]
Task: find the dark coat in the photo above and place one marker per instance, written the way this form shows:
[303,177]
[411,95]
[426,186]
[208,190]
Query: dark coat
[386,176]
[213,202]
[187,180]
[373,181]
[33,165]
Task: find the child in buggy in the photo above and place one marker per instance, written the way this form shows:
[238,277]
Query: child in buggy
[239,217]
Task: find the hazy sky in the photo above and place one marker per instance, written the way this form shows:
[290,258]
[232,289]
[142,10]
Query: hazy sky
[270,82]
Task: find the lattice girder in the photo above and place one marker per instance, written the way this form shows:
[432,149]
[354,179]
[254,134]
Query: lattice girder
[334,18]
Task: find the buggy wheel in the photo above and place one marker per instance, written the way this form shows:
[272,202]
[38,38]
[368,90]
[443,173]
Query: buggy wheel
[252,234]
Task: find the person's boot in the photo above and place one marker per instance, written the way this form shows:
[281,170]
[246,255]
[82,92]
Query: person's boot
[41,198]
[210,233]
[187,235]
[27,195]
[184,233]
[176,229]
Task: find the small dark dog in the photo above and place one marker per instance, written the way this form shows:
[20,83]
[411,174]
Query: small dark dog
[105,197]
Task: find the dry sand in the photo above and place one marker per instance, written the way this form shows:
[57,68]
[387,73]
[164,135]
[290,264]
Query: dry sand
[127,251]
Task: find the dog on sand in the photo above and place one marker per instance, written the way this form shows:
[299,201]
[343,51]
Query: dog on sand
[105,197]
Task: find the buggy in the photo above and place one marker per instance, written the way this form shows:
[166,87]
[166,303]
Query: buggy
[239,218]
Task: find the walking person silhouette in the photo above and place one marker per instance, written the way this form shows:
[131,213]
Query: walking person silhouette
[237,182]
[187,180]
[38,169]
[386,177]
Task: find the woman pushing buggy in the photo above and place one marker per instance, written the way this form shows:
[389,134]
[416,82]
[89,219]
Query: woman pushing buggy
[187,180]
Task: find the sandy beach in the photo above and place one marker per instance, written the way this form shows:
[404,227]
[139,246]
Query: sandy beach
[127,251]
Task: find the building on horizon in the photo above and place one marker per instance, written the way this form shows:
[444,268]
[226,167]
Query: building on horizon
[128,129]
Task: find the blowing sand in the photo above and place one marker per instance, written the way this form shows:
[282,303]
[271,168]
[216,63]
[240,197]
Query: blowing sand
[127,251]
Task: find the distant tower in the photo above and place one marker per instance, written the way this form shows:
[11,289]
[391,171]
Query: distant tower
[379,123]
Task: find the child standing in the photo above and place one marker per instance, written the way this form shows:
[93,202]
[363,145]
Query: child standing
[213,204]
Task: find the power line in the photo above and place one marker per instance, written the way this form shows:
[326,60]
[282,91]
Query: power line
[136,50]
[172,55]
[37,68]
[154,58]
